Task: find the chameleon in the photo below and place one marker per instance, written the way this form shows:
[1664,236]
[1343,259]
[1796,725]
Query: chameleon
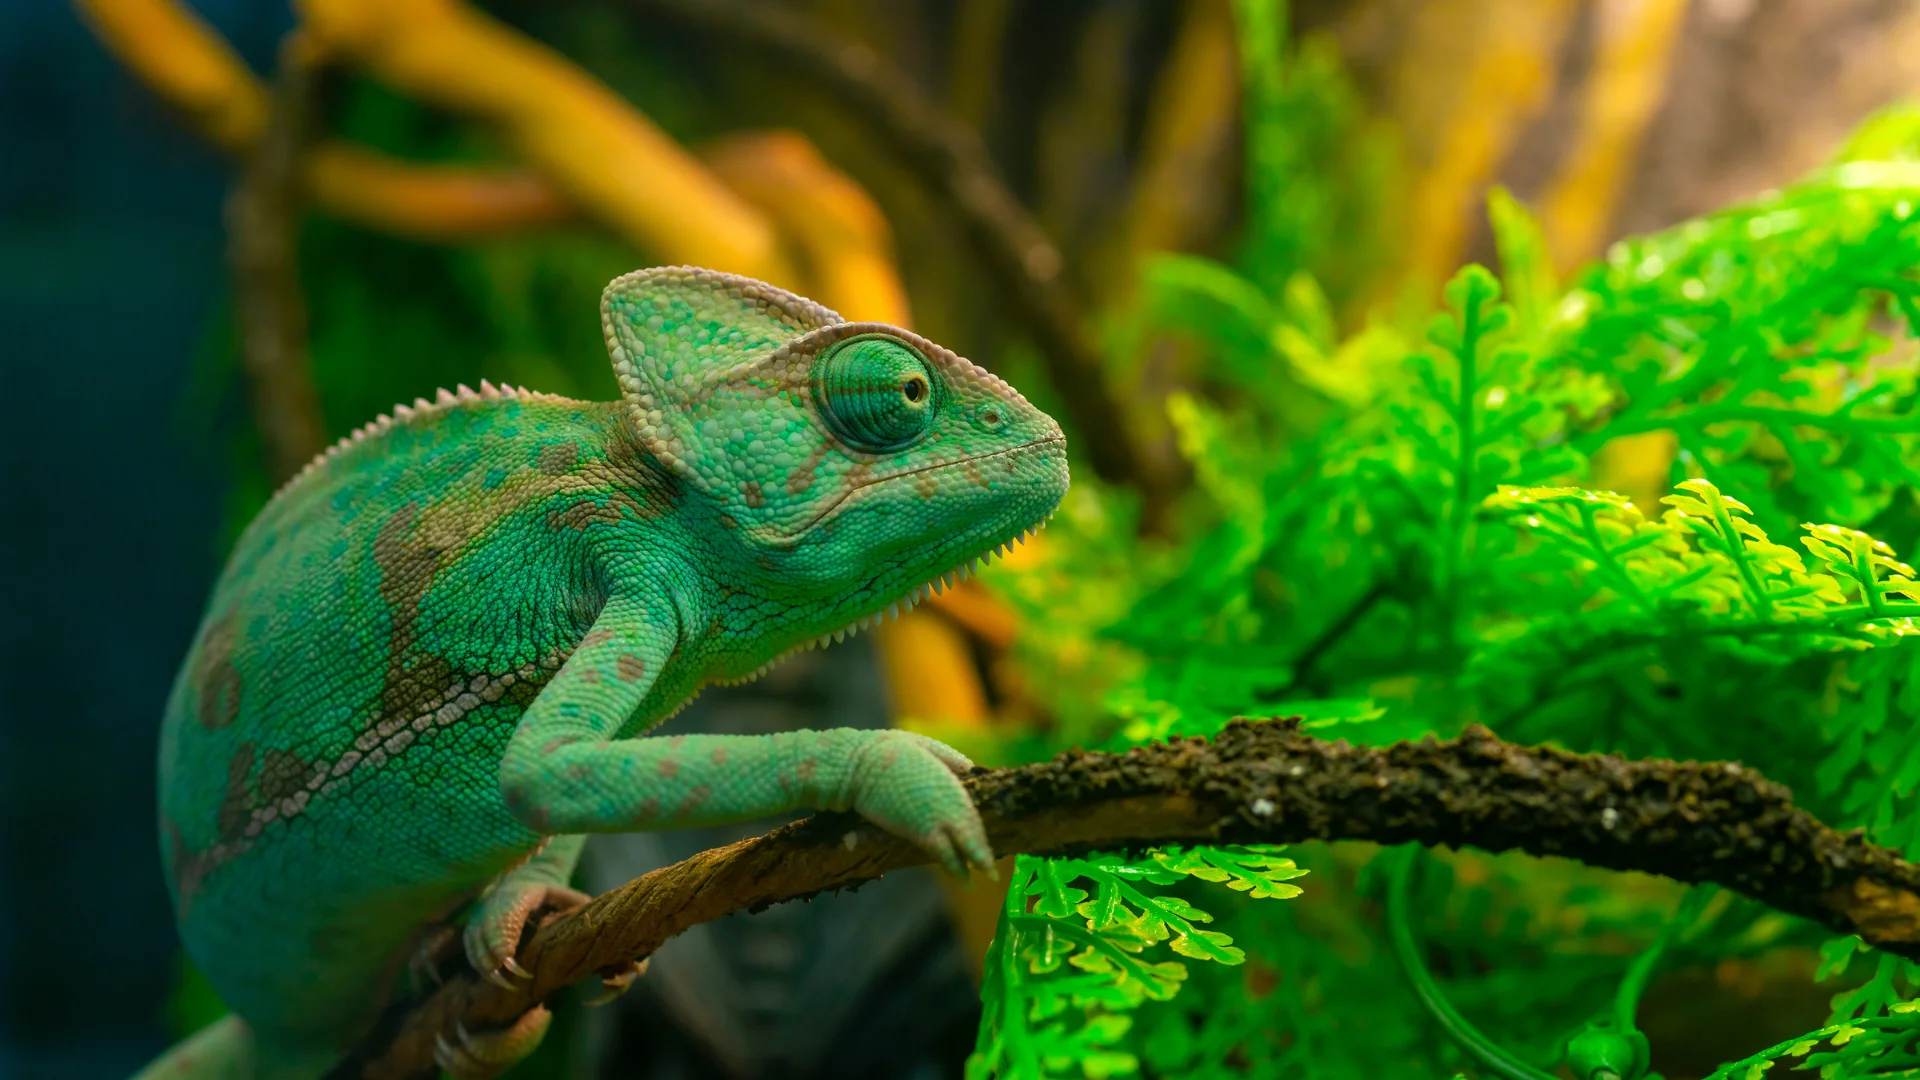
[428,667]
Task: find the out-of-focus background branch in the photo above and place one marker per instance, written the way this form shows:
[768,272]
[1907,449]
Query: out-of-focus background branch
[426,192]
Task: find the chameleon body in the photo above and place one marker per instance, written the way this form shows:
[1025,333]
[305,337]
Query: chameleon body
[427,668]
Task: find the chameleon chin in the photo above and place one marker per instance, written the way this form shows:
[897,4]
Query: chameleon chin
[429,667]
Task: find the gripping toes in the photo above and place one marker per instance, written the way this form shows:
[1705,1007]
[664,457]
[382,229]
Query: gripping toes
[493,931]
[484,1055]
[908,785]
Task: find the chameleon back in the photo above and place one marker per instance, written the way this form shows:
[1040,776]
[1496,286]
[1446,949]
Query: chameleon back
[345,696]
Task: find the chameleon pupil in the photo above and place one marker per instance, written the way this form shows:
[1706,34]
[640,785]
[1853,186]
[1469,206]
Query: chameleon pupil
[916,389]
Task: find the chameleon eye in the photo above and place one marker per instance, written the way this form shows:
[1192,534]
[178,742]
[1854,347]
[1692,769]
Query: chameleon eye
[876,393]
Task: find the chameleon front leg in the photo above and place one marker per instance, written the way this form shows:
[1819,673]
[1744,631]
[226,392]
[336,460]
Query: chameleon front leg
[563,772]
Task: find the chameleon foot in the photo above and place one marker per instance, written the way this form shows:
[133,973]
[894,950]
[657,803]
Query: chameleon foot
[430,958]
[612,986]
[493,931]
[483,1055]
[909,785]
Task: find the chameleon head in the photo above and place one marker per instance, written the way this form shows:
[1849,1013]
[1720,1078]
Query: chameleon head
[855,463]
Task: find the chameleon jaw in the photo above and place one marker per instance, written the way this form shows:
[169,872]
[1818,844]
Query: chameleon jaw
[894,610]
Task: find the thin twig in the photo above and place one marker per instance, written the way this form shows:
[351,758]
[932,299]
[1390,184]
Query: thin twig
[1310,656]
[1256,782]
[263,228]
[949,159]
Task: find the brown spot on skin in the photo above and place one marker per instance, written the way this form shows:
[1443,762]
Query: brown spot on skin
[973,473]
[188,869]
[719,755]
[695,800]
[925,485]
[648,811]
[407,568]
[750,491]
[590,676]
[521,694]
[237,805]
[630,668]
[555,744]
[556,459]
[669,768]
[614,509]
[282,773]
[728,521]
[805,770]
[634,470]
[800,479]
[406,572]
[597,636]
[215,679]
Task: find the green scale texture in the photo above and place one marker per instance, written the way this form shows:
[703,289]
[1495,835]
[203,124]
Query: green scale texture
[424,672]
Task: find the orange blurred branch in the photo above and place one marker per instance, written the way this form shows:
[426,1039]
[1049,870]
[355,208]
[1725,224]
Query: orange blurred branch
[182,60]
[610,161]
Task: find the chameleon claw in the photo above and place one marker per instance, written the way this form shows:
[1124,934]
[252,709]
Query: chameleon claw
[500,980]
[612,986]
[513,966]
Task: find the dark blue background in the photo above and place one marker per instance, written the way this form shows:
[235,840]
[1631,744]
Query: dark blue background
[111,279]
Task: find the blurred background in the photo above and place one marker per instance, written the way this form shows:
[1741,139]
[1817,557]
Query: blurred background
[231,231]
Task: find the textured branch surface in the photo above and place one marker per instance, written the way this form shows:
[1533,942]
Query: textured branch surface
[1257,782]
[947,157]
[263,232]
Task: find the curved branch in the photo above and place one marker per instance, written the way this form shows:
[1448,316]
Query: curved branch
[948,158]
[1256,782]
[609,160]
[189,66]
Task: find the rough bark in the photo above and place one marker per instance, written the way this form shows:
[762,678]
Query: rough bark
[1262,782]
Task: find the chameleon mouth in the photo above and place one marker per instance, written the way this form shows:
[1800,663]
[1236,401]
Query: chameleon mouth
[827,511]
[951,579]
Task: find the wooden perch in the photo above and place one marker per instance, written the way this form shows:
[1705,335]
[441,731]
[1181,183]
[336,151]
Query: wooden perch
[182,60]
[1255,783]
[263,235]
[948,158]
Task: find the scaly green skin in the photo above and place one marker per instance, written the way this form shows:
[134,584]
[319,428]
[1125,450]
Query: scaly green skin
[423,673]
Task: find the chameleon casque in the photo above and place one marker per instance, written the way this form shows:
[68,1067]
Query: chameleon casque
[426,669]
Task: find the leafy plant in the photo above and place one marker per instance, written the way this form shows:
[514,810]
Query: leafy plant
[1394,533]
[1071,964]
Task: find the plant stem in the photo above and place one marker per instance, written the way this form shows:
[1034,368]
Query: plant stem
[1488,1052]
[1626,1002]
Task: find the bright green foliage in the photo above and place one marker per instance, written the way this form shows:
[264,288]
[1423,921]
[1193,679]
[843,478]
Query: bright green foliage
[1395,530]
[1072,962]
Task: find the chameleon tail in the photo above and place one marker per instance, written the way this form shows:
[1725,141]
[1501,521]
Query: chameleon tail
[220,1051]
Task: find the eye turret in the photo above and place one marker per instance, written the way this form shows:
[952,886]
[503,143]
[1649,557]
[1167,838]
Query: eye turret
[876,393]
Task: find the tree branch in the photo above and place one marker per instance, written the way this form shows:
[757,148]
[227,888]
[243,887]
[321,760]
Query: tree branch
[263,233]
[1256,782]
[183,61]
[948,158]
